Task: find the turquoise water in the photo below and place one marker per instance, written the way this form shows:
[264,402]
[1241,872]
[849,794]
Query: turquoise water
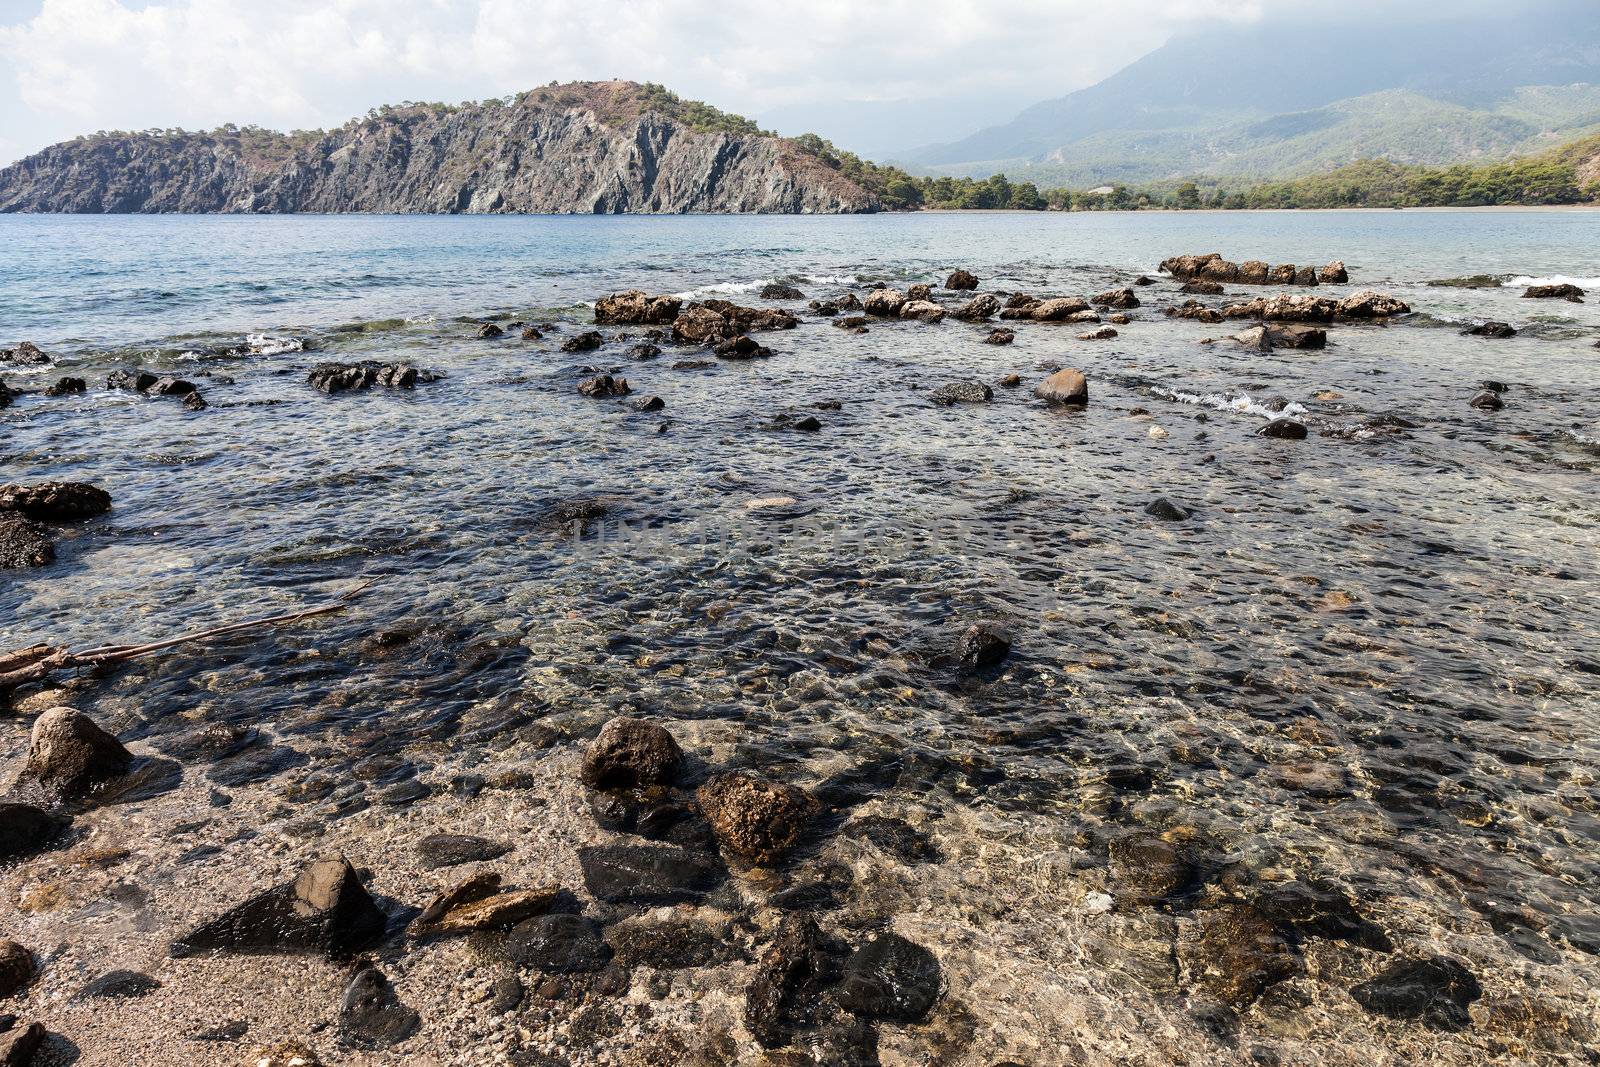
[1370,656]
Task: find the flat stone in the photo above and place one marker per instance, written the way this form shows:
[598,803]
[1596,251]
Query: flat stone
[451,850]
[1435,991]
[647,874]
[371,1015]
[558,944]
[498,912]
[119,985]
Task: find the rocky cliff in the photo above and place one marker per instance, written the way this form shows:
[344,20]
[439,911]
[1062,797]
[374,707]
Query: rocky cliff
[593,147]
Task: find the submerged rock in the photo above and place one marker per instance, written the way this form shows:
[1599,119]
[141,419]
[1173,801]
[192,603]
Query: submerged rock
[1283,429]
[895,836]
[1000,336]
[532,333]
[452,850]
[1149,869]
[26,829]
[781,291]
[1116,298]
[119,985]
[1066,386]
[371,1015]
[669,945]
[66,387]
[755,820]
[1238,953]
[741,347]
[961,393]
[489,331]
[69,756]
[349,377]
[1563,291]
[17,968]
[891,978]
[781,996]
[324,910]
[558,944]
[55,501]
[961,280]
[587,341]
[478,904]
[604,386]
[1320,908]
[647,874]
[24,543]
[1436,991]
[982,645]
[1499,330]
[1165,510]
[628,753]
[634,308]
[1487,400]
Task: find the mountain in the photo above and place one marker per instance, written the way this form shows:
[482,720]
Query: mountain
[1283,98]
[584,147]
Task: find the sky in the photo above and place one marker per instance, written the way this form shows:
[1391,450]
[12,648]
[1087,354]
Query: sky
[873,77]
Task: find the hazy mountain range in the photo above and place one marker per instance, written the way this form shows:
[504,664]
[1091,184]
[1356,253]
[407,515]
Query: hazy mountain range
[1283,99]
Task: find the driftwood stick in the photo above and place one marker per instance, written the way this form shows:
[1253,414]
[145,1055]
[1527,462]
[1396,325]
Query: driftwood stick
[36,663]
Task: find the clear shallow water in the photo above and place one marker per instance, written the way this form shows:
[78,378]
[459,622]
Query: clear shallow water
[1370,656]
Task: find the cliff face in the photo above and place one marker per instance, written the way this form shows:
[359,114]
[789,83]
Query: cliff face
[590,148]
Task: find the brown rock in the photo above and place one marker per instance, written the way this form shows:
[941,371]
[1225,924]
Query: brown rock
[961,280]
[1334,273]
[604,385]
[24,543]
[1116,298]
[55,501]
[919,292]
[1201,287]
[755,820]
[924,310]
[1104,333]
[1564,291]
[1066,386]
[1000,336]
[634,308]
[498,912]
[630,753]
[885,303]
[1282,274]
[1057,309]
[17,968]
[69,756]
[18,1046]
[1254,272]
[1368,304]
[977,309]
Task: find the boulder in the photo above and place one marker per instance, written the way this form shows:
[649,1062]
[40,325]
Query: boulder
[1066,386]
[1193,309]
[919,292]
[1116,298]
[1000,336]
[346,377]
[741,347]
[977,309]
[885,303]
[1282,274]
[891,978]
[644,350]
[1184,267]
[170,386]
[587,341]
[1334,273]
[135,381]
[325,910]
[371,1014]
[55,501]
[849,302]
[26,829]
[604,386]
[1436,991]
[1020,300]
[19,1045]
[1255,272]
[1306,276]
[67,387]
[6,395]
[1011,381]
[1057,309]
[781,291]
[791,972]
[1564,291]
[739,319]
[1220,270]
[17,968]
[982,645]
[961,280]
[924,310]
[26,354]
[489,331]
[1149,869]
[69,756]
[755,821]
[647,874]
[1500,330]
[1487,400]
[961,393]
[634,308]
[1283,308]
[1283,429]
[1294,335]
[24,543]
[629,753]
[1368,304]
[826,308]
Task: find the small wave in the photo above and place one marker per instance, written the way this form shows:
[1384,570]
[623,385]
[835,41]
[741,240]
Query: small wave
[265,344]
[1238,403]
[1523,280]
[755,286]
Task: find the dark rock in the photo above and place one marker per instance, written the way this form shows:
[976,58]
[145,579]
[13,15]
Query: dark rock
[1307,276]
[194,401]
[1066,386]
[982,645]
[1283,429]
[25,829]
[852,323]
[558,944]
[24,543]
[69,756]
[649,403]
[628,753]
[808,424]
[634,308]
[1165,510]
[1333,274]
[229,1031]
[325,909]
[6,395]
[781,997]
[668,945]
[135,381]
[741,347]
[451,850]
[1493,386]
[531,333]
[119,985]
[1000,336]
[1141,280]
[822,888]
[1437,991]
[1011,381]
[1238,953]
[55,501]
[1104,333]
[961,280]
[17,968]
[644,350]
[1059,309]
[170,387]
[962,393]
[918,292]
[977,309]
[895,836]
[587,341]
[1282,274]
[1491,329]
[1201,287]
[18,1046]
[755,821]
[1487,401]
[890,978]
[1193,309]
[1564,291]
[371,1015]
[826,308]
[647,874]
[717,320]
[506,994]
[349,377]
[1320,908]
[604,386]
[26,354]
[1149,869]
[67,387]
[489,330]
[1116,298]
[781,291]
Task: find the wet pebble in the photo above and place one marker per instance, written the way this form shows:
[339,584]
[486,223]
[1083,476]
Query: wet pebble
[371,1015]
[450,850]
[890,978]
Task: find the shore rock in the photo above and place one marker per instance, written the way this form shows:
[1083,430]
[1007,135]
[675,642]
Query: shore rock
[1498,330]
[371,1015]
[634,308]
[918,292]
[741,347]
[961,393]
[644,350]
[649,403]
[1058,309]
[26,354]
[604,386]
[977,309]
[26,829]
[1283,429]
[961,281]
[67,387]
[1436,991]
[347,377]
[587,341]
[755,821]
[891,978]
[451,850]
[1000,335]
[781,996]
[1193,309]
[647,874]
[1334,273]
[1293,335]
[1116,298]
[6,394]
[781,291]
[629,753]
[1564,291]
[70,757]
[1369,304]
[17,968]
[18,1046]
[924,310]
[718,320]
[325,909]
[1066,386]
[982,645]
[24,543]
[558,944]
[884,303]
[1104,333]
[1487,400]
[55,501]
[1284,308]
[1165,510]
[488,331]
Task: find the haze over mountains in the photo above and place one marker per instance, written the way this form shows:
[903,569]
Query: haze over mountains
[1281,99]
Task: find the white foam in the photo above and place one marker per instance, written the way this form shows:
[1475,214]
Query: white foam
[728,288]
[264,344]
[1240,404]
[1524,280]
